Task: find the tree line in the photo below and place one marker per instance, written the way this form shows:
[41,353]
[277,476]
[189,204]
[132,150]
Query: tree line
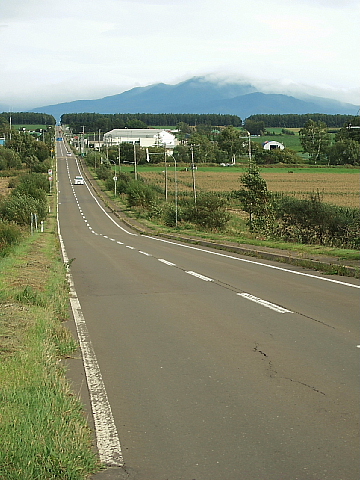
[27,118]
[23,149]
[91,122]
[299,120]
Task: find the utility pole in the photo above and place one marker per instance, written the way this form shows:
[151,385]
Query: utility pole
[82,141]
[166,175]
[119,158]
[193,171]
[135,169]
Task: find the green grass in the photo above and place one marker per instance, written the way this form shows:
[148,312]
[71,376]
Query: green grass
[29,127]
[289,141]
[43,431]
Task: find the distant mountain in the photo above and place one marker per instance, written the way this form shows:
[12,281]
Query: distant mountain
[198,95]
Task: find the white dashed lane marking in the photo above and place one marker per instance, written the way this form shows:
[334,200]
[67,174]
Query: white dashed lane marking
[264,303]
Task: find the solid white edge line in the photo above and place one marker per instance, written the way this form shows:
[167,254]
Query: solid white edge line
[107,438]
[294,272]
[264,303]
[96,200]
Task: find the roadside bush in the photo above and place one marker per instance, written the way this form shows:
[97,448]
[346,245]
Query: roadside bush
[9,159]
[169,215]
[10,234]
[18,208]
[140,194]
[34,184]
[122,183]
[209,212]
[104,172]
[312,221]
[42,167]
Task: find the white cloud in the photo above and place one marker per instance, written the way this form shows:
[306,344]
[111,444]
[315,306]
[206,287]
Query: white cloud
[54,52]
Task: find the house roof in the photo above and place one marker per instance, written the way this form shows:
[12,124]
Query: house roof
[136,132]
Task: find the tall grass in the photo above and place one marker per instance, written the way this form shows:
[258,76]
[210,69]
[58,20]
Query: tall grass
[43,431]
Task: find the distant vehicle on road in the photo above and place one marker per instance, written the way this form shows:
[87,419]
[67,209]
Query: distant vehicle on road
[79,180]
[68,154]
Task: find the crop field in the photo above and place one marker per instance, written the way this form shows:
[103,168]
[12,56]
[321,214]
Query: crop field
[340,187]
[29,128]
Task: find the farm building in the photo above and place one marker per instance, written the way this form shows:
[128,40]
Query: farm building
[272,145]
[145,137]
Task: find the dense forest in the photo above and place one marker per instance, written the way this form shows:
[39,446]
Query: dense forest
[95,121]
[292,120]
[27,118]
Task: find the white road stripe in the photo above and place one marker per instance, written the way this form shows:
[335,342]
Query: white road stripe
[264,303]
[144,253]
[107,438]
[198,275]
[166,262]
[245,260]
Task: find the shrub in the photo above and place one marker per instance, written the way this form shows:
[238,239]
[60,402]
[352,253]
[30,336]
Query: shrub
[312,221]
[140,195]
[18,208]
[104,172]
[169,215]
[31,184]
[209,212]
[10,234]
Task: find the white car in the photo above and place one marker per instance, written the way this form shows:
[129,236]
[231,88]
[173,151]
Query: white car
[79,180]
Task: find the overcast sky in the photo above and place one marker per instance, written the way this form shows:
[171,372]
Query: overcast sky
[55,51]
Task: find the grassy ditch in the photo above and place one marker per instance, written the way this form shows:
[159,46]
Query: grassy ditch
[43,430]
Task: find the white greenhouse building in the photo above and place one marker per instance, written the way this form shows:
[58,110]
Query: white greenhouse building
[145,137]
[273,145]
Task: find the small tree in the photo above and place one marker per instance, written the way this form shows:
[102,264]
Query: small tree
[344,152]
[315,140]
[231,142]
[254,197]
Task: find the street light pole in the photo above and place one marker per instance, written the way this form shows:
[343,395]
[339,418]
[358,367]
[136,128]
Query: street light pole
[193,171]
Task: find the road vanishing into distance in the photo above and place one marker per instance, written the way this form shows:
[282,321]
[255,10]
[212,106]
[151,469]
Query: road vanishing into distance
[216,366]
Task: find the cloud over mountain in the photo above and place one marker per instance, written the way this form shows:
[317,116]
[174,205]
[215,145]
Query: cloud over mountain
[202,95]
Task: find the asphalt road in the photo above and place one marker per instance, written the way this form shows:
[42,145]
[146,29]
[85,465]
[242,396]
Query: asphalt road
[216,366]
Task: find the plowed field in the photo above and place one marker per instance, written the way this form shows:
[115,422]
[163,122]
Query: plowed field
[341,189]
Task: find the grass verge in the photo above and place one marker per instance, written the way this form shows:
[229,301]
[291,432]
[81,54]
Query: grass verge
[43,430]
